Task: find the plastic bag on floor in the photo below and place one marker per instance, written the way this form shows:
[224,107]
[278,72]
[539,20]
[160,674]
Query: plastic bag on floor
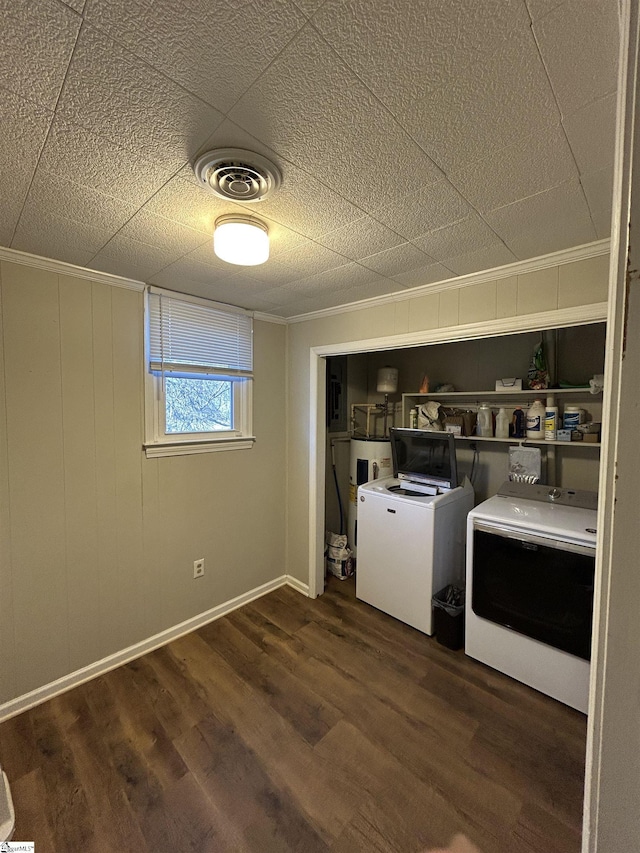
[338,558]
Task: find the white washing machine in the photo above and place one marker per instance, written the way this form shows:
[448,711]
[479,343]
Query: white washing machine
[530,584]
[410,545]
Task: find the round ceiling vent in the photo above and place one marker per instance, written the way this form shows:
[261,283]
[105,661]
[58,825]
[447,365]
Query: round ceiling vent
[237,175]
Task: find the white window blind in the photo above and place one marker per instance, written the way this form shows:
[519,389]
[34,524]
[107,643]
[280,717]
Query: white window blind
[190,337]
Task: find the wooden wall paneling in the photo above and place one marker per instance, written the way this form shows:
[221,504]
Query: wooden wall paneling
[36,474]
[105,470]
[7,640]
[79,440]
[152,542]
[131,619]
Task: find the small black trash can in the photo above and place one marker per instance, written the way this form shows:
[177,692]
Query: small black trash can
[448,617]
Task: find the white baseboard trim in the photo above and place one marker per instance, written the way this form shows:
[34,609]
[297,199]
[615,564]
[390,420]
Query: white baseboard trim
[74,679]
[299,586]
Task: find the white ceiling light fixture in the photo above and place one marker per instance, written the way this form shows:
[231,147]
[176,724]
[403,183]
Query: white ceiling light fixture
[241,240]
[244,178]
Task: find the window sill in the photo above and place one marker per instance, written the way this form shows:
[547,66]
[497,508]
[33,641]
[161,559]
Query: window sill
[187,448]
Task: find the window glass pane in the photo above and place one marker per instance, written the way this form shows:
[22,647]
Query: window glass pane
[198,405]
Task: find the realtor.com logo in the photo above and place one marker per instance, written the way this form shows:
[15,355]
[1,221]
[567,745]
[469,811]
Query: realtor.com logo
[17,846]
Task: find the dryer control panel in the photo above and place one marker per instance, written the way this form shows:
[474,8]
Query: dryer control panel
[549,494]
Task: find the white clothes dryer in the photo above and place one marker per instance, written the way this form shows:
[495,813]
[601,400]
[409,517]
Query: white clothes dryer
[530,584]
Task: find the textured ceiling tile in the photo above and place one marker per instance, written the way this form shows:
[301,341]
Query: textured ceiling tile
[187,269]
[131,258]
[534,164]
[424,275]
[292,308]
[215,50]
[349,295]
[117,266]
[308,6]
[55,237]
[598,188]
[24,128]
[329,281]
[309,107]
[579,45]
[13,191]
[76,5]
[305,205]
[302,202]
[436,39]
[235,290]
[361,238]
[481,259]
[94,161]
[539,8]
[424,209]
[591,132]
[311,259]
[467,236]
[187,203]
[472,120]
[399,259]
[116,95]
[491,91]
[81,204]
[37,42]
[272,273]
[544,223]
[158,231]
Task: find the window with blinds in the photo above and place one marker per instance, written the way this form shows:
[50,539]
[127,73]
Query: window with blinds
[199,375]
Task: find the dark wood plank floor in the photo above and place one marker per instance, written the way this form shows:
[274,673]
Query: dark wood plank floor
[298,725]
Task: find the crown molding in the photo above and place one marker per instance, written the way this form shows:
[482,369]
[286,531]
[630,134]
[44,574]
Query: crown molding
[64,268]
[270,318]
[565,256]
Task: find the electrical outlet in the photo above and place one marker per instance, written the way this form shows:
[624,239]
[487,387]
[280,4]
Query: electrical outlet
[198,568]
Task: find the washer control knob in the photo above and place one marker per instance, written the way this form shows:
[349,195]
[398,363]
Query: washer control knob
[554,493]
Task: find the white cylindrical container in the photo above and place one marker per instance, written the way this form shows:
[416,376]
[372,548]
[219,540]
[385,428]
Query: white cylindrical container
[502,424]
[484,426]
[387,382]
[535,421]
[550,420]
[413,418]
[573,416]
[370,459]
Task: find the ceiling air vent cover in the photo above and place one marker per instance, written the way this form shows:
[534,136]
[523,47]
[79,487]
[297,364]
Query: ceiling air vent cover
[237,175]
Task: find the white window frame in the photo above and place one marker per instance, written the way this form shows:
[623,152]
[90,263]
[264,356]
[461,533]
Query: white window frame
[160,443]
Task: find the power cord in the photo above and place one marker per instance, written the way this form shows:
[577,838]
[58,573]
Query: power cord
[472,476]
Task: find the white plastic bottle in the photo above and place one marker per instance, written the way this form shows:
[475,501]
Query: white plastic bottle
[535,421]
[551,420]
[502,424]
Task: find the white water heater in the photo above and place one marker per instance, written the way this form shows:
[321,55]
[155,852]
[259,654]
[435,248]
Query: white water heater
[370,459]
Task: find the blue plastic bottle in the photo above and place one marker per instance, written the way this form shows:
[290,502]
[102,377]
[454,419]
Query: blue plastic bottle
[518,423]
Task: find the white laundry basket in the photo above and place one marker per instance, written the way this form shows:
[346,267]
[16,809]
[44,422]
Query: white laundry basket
[7,814]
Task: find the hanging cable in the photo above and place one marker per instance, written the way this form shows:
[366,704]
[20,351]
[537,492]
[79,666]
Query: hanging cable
[472,475]
[335,479]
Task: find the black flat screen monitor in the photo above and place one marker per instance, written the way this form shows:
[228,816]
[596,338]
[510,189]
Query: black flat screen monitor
[424,456]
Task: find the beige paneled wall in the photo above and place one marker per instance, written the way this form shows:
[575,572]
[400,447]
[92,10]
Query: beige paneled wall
[98,542]
[549,289]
